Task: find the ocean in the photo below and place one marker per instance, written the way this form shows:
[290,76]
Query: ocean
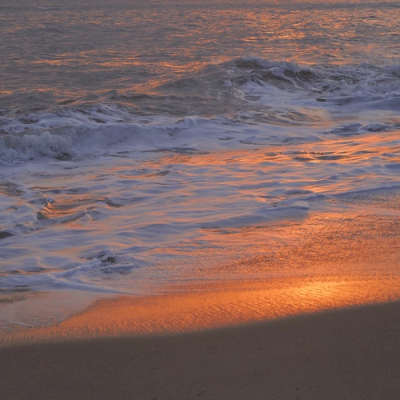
[150,146]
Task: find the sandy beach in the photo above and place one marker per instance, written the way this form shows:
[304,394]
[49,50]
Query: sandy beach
[343,354]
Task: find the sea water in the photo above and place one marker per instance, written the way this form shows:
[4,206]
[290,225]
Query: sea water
[146,145]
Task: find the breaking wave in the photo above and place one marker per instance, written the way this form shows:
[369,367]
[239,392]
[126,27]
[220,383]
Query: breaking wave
[246,101]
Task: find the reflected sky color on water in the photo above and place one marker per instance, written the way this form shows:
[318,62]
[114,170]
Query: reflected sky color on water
[154,149]
[72,51]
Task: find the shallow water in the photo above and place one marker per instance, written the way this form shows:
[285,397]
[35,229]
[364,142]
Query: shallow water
[150,146]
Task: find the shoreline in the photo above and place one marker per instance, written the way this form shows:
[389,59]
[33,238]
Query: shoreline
[211,306]
[348,354]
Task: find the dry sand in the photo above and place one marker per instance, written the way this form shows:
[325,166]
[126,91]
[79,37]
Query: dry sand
[345,354]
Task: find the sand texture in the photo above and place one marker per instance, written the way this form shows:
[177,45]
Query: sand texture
[345,354]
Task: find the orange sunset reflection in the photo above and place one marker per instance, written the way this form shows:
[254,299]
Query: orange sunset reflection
[214,306]
[324,268]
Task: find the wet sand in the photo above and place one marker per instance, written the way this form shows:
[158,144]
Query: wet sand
[344,354]
[189,308]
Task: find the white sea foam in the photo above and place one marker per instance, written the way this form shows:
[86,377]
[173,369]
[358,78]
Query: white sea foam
[357,87]
[190,134]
